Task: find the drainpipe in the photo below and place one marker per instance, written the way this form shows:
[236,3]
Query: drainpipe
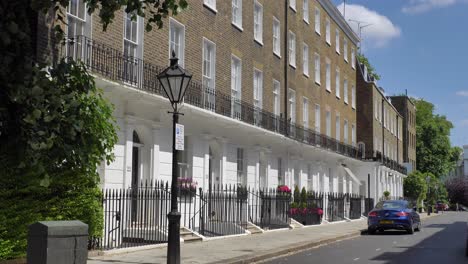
[383,129]
[397,140]
[286,131]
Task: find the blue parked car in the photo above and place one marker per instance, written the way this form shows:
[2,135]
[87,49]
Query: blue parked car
[393,214]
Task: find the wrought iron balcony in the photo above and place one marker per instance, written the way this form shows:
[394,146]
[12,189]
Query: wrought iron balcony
[377,156]
[114,65]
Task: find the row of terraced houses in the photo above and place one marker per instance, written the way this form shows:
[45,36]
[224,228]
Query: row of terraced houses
[277,97]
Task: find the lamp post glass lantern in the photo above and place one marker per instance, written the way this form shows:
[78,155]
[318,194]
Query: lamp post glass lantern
[174,80]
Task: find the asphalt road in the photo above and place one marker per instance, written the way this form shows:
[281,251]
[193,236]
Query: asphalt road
[441,241]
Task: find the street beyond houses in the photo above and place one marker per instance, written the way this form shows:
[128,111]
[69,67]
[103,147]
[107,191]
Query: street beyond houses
[441,241]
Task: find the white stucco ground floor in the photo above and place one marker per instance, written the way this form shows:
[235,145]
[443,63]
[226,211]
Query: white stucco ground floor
[222,150]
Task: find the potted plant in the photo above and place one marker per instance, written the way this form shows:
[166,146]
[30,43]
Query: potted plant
[386,195]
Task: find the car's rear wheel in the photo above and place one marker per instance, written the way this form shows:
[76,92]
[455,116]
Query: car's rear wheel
[410,230]
[419,227]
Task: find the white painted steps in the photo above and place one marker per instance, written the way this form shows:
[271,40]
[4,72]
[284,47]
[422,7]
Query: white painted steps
[188,236]
[253,229]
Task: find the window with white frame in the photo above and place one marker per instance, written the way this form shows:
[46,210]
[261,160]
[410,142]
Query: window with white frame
[177,40]
[337,127]
[345,90]
[276,37]
[337,82]
[292,105]
[292,49]
[337,40]
[292,4]
[276,97]
[345,131]
[305,112]
[305,11]
[353,58]
[210,3]
[236,86]
[328,75]
[317,118]
[258,88]
[317,20]
[327,31]
[258,22]
[305,59]
[328,123]
[237,13]
[345,49]
[76,18]
[209,61]
[353,96]
[130,36]
[317,67]
[353,135]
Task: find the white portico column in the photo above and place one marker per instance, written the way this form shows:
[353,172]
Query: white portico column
[155,152]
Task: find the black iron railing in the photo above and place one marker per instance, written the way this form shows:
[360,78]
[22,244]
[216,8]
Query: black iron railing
[135,217]
[138,216]
[268,208]
[355,206]
[117,66]
[336,206]
[223,212]
[377,156]
[368,205]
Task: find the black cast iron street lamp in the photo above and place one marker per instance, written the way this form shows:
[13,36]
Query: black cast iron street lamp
[174,80]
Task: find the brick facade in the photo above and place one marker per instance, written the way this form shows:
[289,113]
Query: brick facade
[407,109]
[380,126]
[200,21]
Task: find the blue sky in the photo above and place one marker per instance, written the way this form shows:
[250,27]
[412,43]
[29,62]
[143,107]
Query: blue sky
[421,46]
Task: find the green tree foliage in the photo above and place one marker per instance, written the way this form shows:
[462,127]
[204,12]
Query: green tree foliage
[55,126]
[433,150]
[297,195]
[370,69]
[415,186]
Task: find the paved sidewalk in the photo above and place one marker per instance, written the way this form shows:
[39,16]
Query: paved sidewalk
[244,249]
[248,248]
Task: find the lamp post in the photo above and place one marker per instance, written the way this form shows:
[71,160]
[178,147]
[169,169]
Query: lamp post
[174,80]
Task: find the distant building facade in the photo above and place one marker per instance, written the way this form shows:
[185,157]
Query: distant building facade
[407,110]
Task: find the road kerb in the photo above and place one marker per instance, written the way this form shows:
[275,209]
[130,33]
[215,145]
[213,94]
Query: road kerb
[295,248]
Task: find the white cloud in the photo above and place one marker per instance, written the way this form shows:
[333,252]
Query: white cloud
[462,93]
[421,6]
[381,30]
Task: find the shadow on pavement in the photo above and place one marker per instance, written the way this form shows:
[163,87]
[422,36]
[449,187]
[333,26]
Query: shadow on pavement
[445,246]
[386,233]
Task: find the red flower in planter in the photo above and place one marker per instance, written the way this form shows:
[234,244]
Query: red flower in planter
[284,189]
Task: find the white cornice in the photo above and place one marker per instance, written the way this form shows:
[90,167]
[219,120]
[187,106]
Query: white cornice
[335,14]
